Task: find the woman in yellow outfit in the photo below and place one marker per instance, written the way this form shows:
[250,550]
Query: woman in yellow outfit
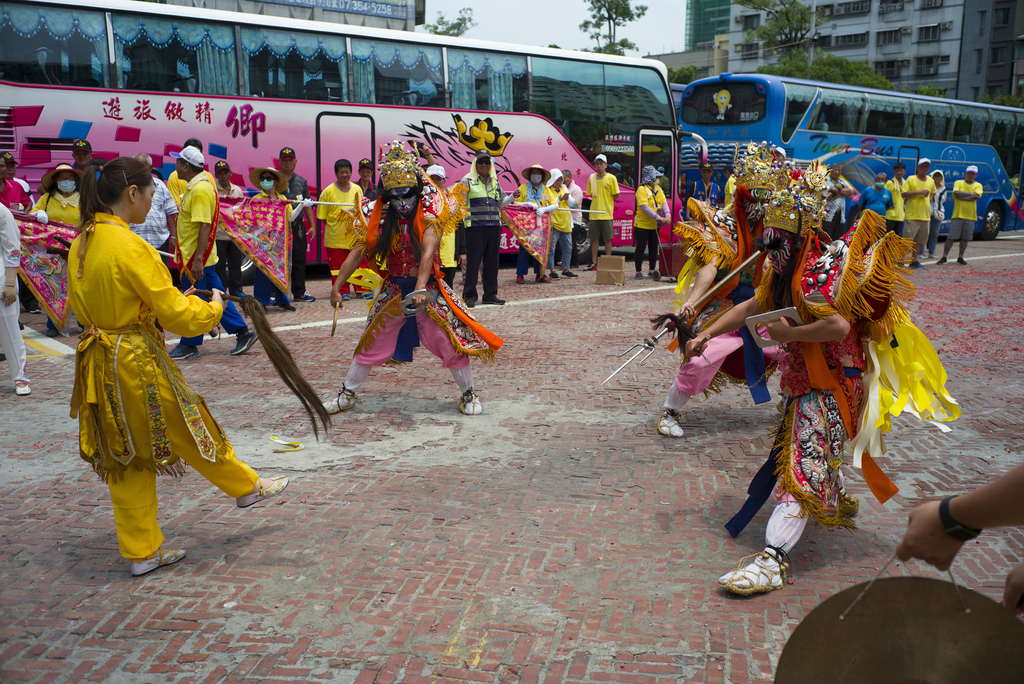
[59,203]
[137,415]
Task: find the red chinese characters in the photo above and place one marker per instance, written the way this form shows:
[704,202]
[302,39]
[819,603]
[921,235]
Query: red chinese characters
[112,109]
[243,120]
[173,111]
[143,112]
[203,112]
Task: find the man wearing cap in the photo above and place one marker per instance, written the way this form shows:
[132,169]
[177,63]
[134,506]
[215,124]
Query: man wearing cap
[602,188]
[298,189]
[81,151]
[12,195]
[966,194]
[535,193]
[12,170]
[197,228]
[161,226]
[177,185]
[229,257]
[366,187]
[918,191]
[706,189]
[483,229]
[651,214]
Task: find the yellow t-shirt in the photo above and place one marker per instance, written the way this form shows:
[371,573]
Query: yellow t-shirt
[197,206]
[561,220]
[66,212]
[897,212]
[919,207]
[654,200]
[966,209]
[177,186]
[730,188]
[338,233]
[603,192]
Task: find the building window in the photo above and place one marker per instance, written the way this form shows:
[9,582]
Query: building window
[886,7]
[890,68]
[930,4]
[998,55]
[751,21]
[995,91]
[926,66]
[979,60]
[974,93]
[823,42]
[848,8]
[749,50]
[928,34]
[982,16]
[1001,16]
[888,37]
[850,40]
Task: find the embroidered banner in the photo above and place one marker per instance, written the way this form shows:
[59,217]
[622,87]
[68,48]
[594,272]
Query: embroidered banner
[260,229]
[532,231]
[45,274]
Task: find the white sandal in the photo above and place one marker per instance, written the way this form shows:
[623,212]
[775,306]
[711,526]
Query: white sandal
[157,560]
[259,493]
[766,573]
[345,400]
[470,404]
[668,424]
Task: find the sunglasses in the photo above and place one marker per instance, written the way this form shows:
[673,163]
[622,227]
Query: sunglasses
[269,178]
[485,162]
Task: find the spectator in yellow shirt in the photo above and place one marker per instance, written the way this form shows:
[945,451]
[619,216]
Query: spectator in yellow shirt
[603,188]
[651,215]
[177,184]
[918,191]
[561,226]
[339,238]
[966,194]
[894,216]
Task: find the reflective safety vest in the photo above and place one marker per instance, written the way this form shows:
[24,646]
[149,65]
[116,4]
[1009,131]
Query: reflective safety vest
[484,206]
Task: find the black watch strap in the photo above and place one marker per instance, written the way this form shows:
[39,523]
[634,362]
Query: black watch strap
[952,527]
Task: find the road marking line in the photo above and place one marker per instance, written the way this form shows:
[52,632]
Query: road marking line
[49,346]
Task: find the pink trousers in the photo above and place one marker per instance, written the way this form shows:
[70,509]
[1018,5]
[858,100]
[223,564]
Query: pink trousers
[432,336]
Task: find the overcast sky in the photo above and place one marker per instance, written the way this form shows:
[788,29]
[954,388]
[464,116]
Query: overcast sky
[543,22]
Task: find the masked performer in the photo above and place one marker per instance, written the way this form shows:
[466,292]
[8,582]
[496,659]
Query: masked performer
[855,343]
[137,416]
[719,242]
[400,238]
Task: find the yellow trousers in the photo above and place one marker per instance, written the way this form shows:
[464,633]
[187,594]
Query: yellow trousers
[134,495]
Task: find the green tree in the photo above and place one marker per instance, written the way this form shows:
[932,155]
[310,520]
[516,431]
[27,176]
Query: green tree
[1004,100]
[457,27]
[683,74]
[606,17]
[928,89]
[787,28]
[828,68]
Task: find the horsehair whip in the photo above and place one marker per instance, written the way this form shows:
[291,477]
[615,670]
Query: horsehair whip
[281,358]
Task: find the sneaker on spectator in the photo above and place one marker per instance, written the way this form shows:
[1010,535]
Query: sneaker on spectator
[345,297]
[35,309]
[367,295]
[541,278]
[591,267]
[285,306]
[52,332]
[638,276]
[244,342]
[520,279]
[961,261]
[184,351]
[554,275]
[306,297]
[569,274]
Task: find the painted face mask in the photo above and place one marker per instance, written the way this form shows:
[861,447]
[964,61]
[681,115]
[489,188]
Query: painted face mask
[267,185]
[780,256]
[403,201]
[66,185]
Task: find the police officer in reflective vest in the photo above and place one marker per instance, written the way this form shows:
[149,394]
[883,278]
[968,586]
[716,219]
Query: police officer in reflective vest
[483,229]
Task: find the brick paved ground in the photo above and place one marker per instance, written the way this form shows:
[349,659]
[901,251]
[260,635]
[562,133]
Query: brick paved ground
[556,538]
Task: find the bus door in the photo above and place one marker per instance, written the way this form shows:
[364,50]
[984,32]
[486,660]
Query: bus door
[657,147]
[909,156]
[339,136]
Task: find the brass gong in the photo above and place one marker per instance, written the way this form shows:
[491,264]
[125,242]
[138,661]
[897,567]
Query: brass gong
[906,630]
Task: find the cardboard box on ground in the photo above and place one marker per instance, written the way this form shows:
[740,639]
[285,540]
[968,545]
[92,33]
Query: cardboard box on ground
[611,270]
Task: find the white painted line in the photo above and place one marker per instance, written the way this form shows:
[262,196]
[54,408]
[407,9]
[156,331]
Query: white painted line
[48,342]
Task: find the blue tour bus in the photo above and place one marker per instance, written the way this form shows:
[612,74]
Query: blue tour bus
[865,130]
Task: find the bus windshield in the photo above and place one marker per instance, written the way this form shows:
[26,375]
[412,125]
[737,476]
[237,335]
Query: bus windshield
[724,104]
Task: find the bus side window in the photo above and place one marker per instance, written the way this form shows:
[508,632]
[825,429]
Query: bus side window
[173,56]
[397,74]
[487,80]
[887,116]
[798,99]
[53,46]
[294,65]
[930,120]
[970,125]
[839,112]
[1002,136]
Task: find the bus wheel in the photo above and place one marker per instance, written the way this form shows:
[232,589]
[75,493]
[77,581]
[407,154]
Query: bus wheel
[248,270]
[581,241]
[995,215]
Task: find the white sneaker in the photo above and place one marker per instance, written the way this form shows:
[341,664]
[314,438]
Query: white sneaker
[765,574]
[259,493]
[23,390]
[157,560]
[669,425]
[345,400]
[470,404]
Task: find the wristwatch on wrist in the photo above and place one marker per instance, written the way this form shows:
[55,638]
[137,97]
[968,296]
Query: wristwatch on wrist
[952,527]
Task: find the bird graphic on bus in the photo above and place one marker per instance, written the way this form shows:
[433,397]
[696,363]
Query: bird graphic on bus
[482,135]
[722,98]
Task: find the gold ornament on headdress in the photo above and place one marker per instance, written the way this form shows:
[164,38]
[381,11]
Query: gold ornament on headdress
[399,168]
[757,171]
[799,207]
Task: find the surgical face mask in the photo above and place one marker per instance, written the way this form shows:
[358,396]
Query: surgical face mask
[267,185]
[536,178]
[66,185]
[879,184]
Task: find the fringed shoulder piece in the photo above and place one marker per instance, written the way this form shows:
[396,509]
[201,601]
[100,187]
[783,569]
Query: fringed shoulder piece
[361,218]
[441,211]
[864,277]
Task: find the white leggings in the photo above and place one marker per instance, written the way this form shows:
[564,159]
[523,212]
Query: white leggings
[676,399]
[358,372]
[11,341]
[785,526]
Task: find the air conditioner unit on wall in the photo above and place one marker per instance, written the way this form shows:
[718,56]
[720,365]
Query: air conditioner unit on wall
[906,30]
[946,25]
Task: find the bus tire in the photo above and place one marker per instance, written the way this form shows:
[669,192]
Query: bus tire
[581,241]
[248,270]
[995,218]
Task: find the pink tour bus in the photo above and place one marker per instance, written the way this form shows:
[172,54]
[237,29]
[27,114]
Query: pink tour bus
[136,77]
